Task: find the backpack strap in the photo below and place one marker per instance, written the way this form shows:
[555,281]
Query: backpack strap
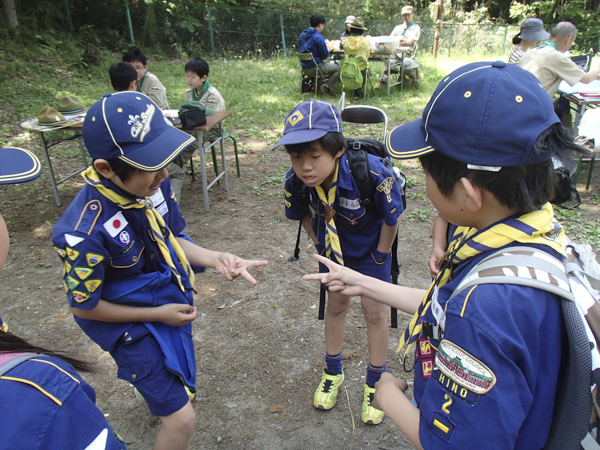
[358,160]
[11,364]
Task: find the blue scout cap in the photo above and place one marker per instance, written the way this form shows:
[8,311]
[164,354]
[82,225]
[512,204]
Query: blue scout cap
[486,114]
[129,126]
[310,121]
[18,166]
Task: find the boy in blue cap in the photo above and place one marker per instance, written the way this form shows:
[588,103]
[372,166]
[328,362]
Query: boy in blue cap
[488,359]
[127,263]
[345,231]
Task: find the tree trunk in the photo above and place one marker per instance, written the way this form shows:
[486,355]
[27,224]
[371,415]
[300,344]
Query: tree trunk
[10,13]
[149,33]
[548,19]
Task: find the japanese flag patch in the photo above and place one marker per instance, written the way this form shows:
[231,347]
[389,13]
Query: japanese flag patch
[115,224]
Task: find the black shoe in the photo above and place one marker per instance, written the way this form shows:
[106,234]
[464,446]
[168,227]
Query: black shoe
[326,91]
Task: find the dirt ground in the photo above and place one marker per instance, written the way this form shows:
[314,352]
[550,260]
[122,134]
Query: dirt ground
[259,348]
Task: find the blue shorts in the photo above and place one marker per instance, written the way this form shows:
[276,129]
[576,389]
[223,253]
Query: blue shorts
[375,264]
[142,363]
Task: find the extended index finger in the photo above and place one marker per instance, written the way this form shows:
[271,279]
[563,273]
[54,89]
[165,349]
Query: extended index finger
[254,263]
[315,276]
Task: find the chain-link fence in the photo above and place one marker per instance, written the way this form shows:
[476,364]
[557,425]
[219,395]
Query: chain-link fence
[214,30]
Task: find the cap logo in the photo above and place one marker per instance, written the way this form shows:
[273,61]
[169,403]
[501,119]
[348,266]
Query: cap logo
[295,118]
[140,125]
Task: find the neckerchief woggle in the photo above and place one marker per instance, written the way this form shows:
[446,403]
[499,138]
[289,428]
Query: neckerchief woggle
[332,240]
[157,224]
[536,227]
[205,88]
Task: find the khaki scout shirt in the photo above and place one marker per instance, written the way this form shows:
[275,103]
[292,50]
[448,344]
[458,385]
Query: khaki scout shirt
[153,88]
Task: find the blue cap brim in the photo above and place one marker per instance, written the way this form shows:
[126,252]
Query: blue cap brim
[159,152]
[300,137]
[18,166]
[407,141]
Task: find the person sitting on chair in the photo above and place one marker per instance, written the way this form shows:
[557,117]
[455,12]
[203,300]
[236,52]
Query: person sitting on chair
[357,44]
[531,34]
[312,41]
[409,33]
[348,22]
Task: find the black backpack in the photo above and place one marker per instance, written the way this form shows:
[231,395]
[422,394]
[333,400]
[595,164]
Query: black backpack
[357,153]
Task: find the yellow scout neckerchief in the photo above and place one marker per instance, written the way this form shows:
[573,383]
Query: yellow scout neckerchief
[536,227]
[332,240]
[154,219]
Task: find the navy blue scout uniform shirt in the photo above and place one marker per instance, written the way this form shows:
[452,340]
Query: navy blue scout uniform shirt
[358,230]
[108,254]
[47,405]
[500,362]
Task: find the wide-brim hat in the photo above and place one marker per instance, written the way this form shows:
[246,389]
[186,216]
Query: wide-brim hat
[310,121]
[50,117]
[70,104]
[532,29]
[129,126]
[407,9]
[486,114]
[349,20]
[359,24]
[18,165]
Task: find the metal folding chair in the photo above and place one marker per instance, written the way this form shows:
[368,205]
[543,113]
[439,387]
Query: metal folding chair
[366,115]
[318,73]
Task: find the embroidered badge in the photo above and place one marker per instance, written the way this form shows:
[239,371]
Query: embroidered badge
[287,194]
[60,252]
[93,259]
[386,188]
[67,268]
[464,369]
[83,272]
[80,296]
[451,386]
[441,425]
[353,222]
[72,282]
[115,224]
[92,285]
[65,287]
[295,118]
[140,125]
[73,240]
[426,368]
[124,238]
[72,254]
[287,204]
[425,350]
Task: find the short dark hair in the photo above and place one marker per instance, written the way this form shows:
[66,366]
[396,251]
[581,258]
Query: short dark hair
[316,20]
[358,31]
[333,142]
[121,169]
[517,39]
[198,66]
[522,189]
[121,75]
[135,54]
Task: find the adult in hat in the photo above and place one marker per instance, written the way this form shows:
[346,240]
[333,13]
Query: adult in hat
[349,21]
[128,265]
[531,33]
[409,33]
[357,44]
[45,402]
[490,358]
[551,65]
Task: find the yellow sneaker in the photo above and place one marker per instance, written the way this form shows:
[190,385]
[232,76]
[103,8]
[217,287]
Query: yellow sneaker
[370,415]
[327,392]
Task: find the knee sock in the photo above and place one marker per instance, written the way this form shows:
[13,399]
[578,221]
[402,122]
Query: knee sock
[374,374]
[334,363]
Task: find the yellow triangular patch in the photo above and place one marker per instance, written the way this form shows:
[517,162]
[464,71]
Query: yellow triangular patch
[92,285]
[83,272]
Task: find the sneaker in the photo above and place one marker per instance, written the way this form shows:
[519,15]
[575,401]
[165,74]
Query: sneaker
[370,415]
[326,91]
[327,392]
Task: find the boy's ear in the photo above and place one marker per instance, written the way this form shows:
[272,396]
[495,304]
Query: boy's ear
[203,79]
[340,153]
[132,86]
[474,195]
[102,166]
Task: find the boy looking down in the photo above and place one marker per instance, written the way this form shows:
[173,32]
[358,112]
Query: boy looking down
[127,263]
[147,83]
[345,231]
[489,360]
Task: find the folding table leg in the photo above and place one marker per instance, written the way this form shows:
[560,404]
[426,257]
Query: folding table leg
[50,170]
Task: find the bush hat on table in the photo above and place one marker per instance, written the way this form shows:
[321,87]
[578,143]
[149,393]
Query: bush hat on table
[129,126]
[486,114]
[50,117]
[18,165]
[532,29]
[69,105]
[310,121]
